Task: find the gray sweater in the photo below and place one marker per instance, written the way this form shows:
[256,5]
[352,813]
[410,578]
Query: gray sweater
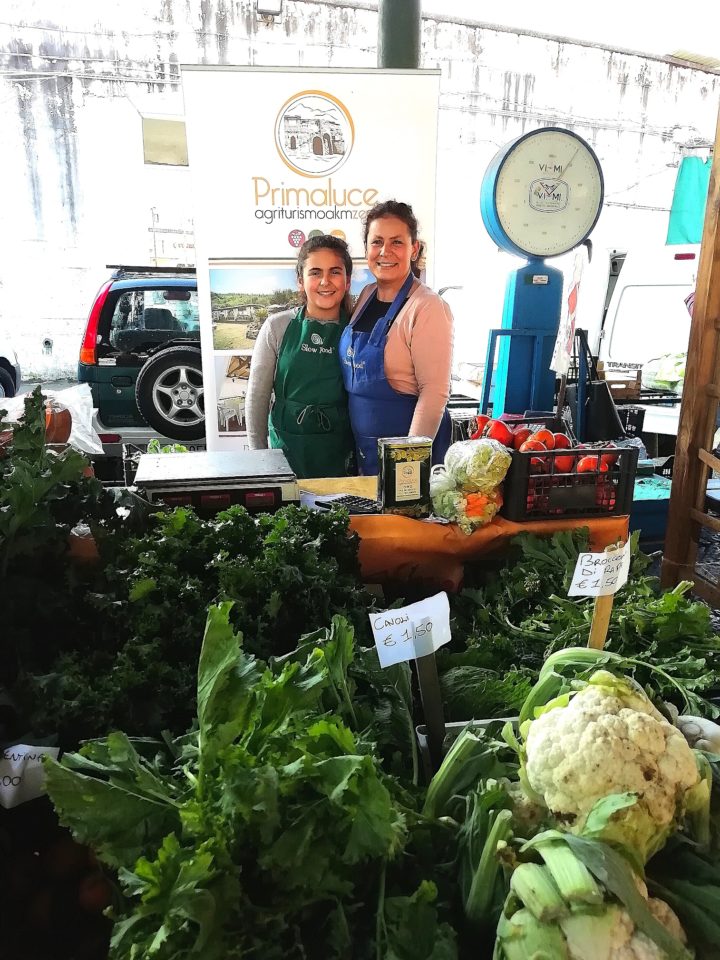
[262,376]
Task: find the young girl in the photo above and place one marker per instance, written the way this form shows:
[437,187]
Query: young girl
[296,363]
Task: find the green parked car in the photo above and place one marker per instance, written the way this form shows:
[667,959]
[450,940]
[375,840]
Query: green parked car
[141,357]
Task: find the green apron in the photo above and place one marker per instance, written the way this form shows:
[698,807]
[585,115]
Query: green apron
[309,419]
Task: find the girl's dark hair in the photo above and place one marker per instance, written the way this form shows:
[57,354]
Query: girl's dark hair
[416,264]
[324,242]
[391,208]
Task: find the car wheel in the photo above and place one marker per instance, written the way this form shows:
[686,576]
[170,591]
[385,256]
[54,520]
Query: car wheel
[170,395]
[7,384]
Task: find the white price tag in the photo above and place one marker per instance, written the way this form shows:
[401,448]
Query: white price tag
[600,574]
[21,773]
[414,631]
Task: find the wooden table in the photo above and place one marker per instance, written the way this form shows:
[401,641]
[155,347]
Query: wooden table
[398,548]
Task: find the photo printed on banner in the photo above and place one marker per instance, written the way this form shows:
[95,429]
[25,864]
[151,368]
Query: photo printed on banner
[232,372]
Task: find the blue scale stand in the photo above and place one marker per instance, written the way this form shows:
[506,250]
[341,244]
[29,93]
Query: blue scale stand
[531,313]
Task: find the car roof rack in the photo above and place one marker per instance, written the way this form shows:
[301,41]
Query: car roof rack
[122,270]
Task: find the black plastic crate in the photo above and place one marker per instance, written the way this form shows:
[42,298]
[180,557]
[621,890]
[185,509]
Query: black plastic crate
[540,491]
[463,422]
[537,420]
[632,419]
[664,466]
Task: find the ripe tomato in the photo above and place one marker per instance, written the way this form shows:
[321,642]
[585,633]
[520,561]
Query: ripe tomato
[532,444]
[480,423]
[564,464]
[497,430]
[562,441]
[546,437]
[608,458]
[591,465]
[520,435]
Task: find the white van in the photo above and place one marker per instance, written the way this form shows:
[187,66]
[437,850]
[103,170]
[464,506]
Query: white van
[647,316]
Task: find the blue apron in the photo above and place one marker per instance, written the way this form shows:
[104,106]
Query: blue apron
[376,409]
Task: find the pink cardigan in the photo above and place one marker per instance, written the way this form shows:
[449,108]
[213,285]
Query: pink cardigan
[418,354]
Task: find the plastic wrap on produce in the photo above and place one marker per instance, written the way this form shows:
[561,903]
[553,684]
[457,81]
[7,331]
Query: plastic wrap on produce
[477,466]
[469,509]
[78,400]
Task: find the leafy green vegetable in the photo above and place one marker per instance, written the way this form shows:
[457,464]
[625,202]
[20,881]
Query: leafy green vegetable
[475,756]
[409,928]
[521,615]
[112,775]
[487,827]
[123,650]
[476,693]
[44,495]
[156,447]
[266,831]
[374,701]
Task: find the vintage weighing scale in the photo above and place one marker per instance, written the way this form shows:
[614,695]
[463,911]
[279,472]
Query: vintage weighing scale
[540,197]
[260,480]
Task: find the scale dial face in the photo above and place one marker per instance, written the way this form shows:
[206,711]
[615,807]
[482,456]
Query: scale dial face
[548,192]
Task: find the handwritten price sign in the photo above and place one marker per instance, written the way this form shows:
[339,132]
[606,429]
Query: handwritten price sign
[600,574]
[413,631]
[22,776]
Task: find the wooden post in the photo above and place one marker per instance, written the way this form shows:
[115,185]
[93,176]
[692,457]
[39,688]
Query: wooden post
[699,401]
[602,611]
[600,621]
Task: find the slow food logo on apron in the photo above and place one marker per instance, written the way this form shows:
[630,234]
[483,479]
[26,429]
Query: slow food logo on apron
[316,345]
[349,362]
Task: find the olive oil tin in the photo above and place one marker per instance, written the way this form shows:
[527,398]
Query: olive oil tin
[404,477]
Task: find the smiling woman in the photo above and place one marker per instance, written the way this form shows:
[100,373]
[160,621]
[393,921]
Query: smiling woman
[296,360]
[397,352]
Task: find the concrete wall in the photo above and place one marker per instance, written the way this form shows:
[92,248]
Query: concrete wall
[75,193]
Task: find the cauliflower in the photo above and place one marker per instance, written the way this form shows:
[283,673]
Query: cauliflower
[610,739]
[528,816]
[613,936]
[606,935]
[558,911]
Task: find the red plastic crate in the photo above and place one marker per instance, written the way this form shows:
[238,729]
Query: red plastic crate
[535,490]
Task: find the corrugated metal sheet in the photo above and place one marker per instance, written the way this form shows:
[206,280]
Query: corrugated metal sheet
[696,59]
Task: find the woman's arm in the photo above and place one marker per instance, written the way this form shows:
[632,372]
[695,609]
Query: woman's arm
[431,348]
[260,386]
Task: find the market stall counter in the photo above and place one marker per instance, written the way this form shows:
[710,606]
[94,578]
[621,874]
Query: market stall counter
[398,548]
